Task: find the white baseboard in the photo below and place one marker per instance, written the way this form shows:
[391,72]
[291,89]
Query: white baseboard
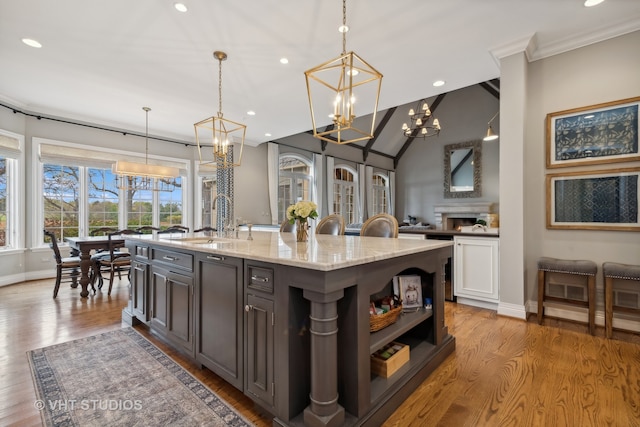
[24,277]
[477,303]
[512,310]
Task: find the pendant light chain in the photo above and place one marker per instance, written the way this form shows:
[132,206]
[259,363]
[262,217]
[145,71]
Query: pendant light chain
[146,136]
[219,87]
[344,26]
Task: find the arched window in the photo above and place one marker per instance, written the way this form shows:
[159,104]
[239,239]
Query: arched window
[379,194]
[344,193]
[294,181]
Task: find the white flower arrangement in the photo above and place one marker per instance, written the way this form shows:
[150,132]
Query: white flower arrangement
[302,211]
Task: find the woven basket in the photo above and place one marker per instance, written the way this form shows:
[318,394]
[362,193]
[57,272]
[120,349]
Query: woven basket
[381,321]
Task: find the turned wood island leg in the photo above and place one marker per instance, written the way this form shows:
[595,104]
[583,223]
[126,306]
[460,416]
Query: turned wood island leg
[324,410]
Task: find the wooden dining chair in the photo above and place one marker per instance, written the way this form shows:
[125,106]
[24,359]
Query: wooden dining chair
[331,224]
[113,261]
[381,225]
[67,269]
[147,229]
[175,229]
[207,228]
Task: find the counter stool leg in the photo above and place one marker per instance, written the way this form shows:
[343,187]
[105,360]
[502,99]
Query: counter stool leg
[540,296]
[592,304]
[608,306]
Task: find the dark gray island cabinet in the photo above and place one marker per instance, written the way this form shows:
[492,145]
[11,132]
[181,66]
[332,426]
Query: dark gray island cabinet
[287,323]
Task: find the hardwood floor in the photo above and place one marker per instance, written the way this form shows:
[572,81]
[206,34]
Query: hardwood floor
[504,371]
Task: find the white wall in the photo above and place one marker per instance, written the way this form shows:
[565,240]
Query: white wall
[602,72]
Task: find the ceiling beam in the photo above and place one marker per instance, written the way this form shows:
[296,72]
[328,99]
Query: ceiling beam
[410,139]
[376,133]
[493,87]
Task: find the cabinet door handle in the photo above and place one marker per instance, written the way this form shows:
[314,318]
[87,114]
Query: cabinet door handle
[260,279]
[170,258]
[248,308]
[215,258]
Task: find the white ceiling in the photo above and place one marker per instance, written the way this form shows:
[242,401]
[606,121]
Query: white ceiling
[102,61]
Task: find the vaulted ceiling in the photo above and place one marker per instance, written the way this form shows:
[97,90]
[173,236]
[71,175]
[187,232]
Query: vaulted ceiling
[101,62]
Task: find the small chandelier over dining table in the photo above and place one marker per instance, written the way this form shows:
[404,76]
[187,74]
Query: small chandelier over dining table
[219,134]
[421,125]
[334,86]
[132,176]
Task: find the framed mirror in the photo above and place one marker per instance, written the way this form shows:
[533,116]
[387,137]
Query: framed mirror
[463,170]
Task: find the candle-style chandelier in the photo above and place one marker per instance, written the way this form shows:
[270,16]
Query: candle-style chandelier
[336,86]
[421,125]
[133,176]
[219,134]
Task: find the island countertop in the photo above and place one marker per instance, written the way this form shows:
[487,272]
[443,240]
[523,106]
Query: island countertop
[320,252]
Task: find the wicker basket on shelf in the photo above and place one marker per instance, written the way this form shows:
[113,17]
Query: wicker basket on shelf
[381,321]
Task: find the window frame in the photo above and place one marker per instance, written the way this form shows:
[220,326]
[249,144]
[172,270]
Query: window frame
[309,162]
[109,155]
[15,203]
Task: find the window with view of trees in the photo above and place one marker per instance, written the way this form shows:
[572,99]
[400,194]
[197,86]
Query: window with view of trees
[294,182]
[3,202]
[66,210]
[61,193]
[104,199]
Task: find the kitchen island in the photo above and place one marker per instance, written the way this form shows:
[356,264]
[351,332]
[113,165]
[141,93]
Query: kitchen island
[288,323]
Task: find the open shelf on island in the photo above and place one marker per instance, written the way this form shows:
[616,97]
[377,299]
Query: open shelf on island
[405,322]
[421,352]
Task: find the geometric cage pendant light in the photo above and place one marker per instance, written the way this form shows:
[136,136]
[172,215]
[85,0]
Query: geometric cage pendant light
[132,176]
[340,87]
[215,136]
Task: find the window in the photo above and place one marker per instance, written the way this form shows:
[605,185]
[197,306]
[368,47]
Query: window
[344,188]
[61,193]
[11,196]
[104,200]
[294,183]
[379,194]
[171,206]
[78,193]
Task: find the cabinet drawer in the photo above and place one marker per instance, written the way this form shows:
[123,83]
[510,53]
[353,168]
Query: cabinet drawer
[178,259]
[141,251]
[260,279]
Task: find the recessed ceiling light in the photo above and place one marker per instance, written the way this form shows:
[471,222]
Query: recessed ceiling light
[180,7]
[251,113]
[284,61]
[267,134]
[438,83]
[31,42]
[589,3]
[343,28]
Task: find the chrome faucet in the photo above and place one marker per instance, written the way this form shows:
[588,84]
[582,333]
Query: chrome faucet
[227,220]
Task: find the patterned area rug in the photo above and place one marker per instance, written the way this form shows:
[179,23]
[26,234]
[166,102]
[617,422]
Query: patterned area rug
[119,378]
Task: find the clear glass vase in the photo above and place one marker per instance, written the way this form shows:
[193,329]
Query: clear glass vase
[302,230]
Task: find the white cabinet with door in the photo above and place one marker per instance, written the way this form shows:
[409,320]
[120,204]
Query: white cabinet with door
[476,270]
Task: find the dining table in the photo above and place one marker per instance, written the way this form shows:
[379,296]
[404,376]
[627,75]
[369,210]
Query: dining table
[84,247]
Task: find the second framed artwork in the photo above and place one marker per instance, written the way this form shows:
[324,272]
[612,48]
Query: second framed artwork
[594,200]
[597,134]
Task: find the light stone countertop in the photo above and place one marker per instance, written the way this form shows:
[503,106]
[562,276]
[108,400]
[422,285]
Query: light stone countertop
[321,252]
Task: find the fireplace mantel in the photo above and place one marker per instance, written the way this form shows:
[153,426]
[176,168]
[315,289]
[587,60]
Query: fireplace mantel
[445,212]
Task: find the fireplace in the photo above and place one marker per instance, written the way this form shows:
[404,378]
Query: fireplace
[453,216]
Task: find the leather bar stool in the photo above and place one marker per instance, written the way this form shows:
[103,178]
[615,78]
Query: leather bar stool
[569,279]
[613,271]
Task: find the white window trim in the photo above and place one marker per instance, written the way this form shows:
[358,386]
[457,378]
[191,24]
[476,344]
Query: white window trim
[16,190]
[357,207]
[111,155]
